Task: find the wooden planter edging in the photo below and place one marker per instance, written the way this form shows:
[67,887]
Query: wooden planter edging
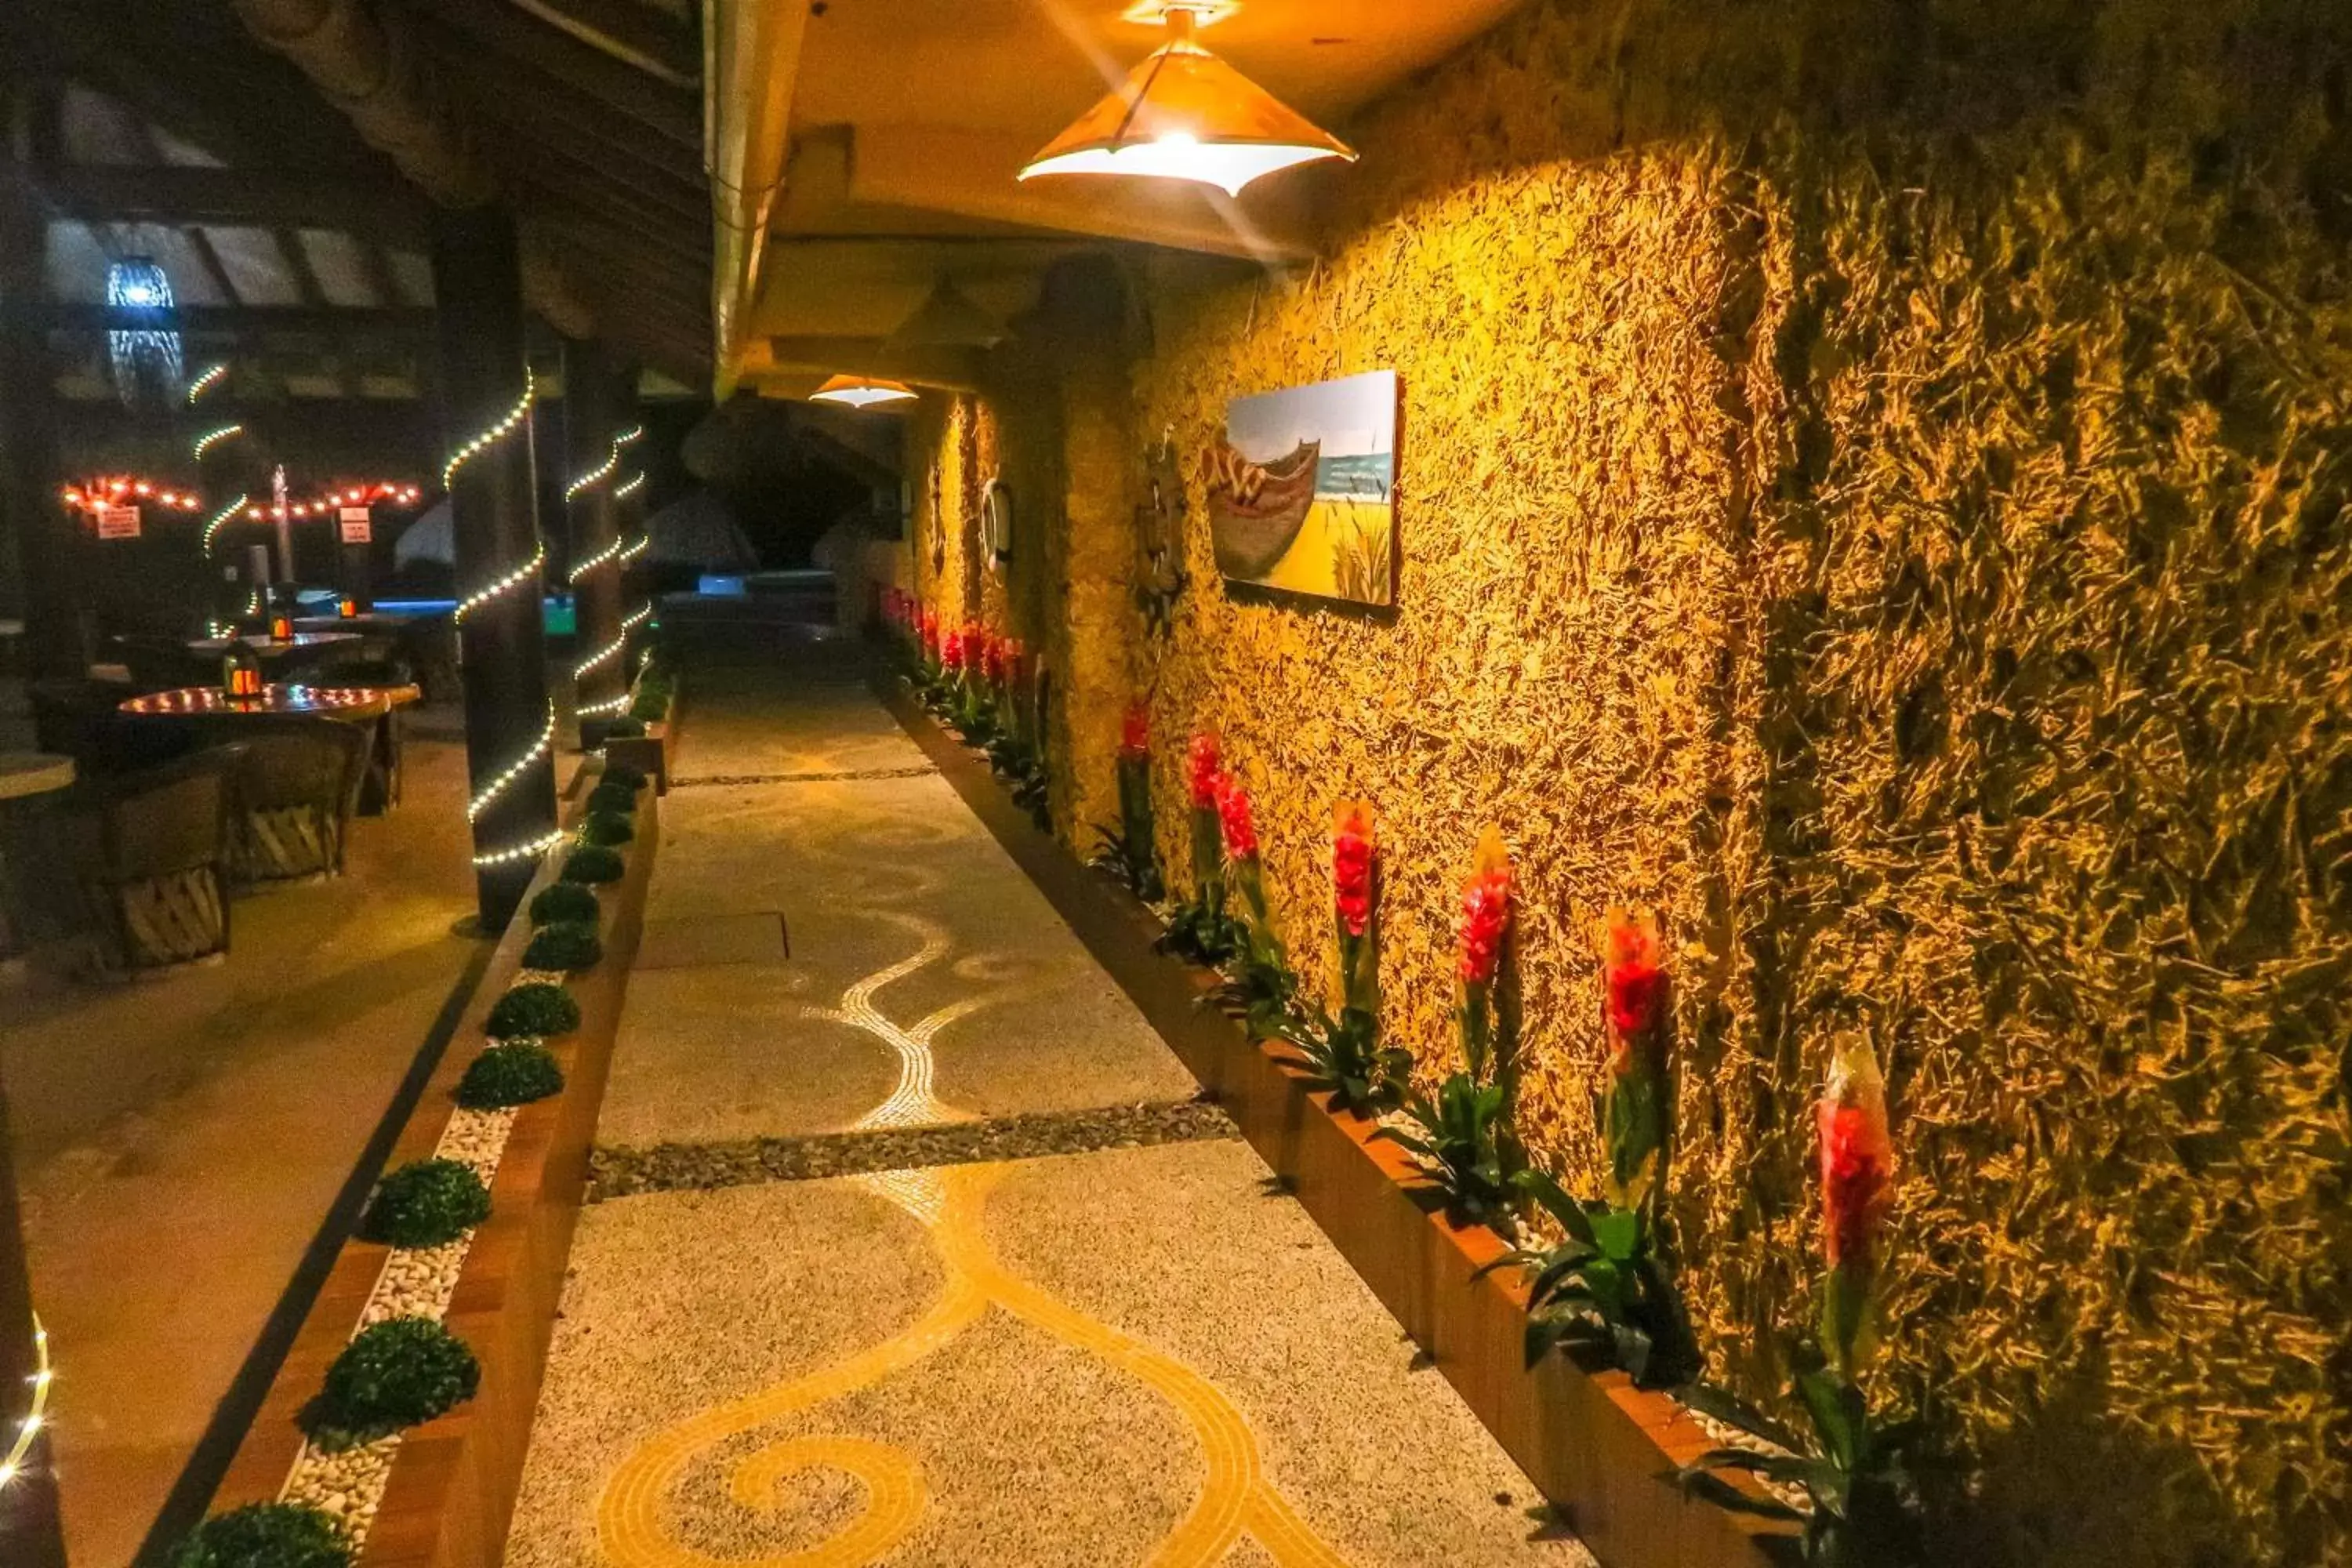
[454,1479]
[1602,1451]
[654,753]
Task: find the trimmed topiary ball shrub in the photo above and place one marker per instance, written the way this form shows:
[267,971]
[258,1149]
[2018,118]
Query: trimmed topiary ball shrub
[536,1009]
[613,800]
[563,901]
[400,1373]
[509,1074]
[622,773]
[426,1203]
[627,728]
[566,944]
[605,828]
[593,863]
[266,1535]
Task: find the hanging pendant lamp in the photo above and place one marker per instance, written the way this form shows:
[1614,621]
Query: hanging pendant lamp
[1184,114]
[862,391]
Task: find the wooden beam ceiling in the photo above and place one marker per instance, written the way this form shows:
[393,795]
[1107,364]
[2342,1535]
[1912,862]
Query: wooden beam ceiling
[265,197]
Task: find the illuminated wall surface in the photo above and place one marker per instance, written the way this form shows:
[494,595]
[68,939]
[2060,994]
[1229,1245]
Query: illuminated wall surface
[1908,546]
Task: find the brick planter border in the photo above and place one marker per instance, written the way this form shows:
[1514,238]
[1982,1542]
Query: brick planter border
[1602,1451]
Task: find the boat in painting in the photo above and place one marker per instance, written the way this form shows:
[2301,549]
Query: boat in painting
[1255,510]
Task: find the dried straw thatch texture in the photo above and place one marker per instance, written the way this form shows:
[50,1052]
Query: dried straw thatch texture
[1876,492]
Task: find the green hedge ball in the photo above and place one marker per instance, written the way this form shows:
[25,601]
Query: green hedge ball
[536,1010]
[606,828]
[266,1535]
[615,799]
[563,901]
[566,944]
[509,1074]
[424,1204]
[626,729]
[623,774]
[396,1374]
[593,863]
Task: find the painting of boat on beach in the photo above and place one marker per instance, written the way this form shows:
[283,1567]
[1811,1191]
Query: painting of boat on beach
[1301,490]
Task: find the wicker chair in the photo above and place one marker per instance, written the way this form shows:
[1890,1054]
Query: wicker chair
[149,855]
[297,790]
[381,790]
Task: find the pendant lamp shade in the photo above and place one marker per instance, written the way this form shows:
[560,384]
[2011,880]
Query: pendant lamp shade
[862,391]
[947,319]
[1184,114]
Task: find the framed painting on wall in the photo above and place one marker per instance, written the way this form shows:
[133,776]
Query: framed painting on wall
[1301,491]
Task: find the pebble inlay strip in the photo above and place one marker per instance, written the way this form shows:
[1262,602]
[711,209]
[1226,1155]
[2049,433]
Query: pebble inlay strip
[349,1483]
[623,1172]
[707,781]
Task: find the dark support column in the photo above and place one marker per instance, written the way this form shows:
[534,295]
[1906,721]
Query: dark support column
[596,408]
[31,521]
[494,515]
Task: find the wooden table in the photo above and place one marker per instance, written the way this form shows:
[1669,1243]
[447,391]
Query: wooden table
[354,703]
[365,621]
[270,647]
[22,777]
[349,704]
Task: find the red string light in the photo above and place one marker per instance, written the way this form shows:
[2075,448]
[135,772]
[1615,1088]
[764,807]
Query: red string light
[128,490]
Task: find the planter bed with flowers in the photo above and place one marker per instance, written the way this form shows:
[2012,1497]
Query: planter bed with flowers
[1605,1452]
[394,1432]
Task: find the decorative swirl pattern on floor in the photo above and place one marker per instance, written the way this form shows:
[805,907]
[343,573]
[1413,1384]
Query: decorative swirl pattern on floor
[1235,1498]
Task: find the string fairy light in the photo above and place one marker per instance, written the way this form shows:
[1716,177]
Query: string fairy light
[504,585]
[603,656]
[604,470]
[605,710]
[531,850]
[636,618]
[36,1416]
[211,438]
[126,491]
[635,547]
[489,592]
[494,435]
[328,502]
[488,795]
[485,797]
[629,486]
[610,552]
[205,382]
[213,527]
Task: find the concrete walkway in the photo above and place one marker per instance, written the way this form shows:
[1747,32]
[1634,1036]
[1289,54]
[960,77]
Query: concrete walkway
[1079,1331]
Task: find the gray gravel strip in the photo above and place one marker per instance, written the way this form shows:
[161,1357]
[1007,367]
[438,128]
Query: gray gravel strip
[623,1172]
[848,775]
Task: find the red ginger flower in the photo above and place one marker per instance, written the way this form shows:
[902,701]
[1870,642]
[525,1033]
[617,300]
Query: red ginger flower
[992,657]
[1233,818]
[1857,1157]
[1135,731]
[1485,908]
[1204,762]
[1632,976]
[1352,865]
[952,650]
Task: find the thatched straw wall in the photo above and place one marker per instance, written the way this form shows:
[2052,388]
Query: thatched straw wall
[1879,495]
